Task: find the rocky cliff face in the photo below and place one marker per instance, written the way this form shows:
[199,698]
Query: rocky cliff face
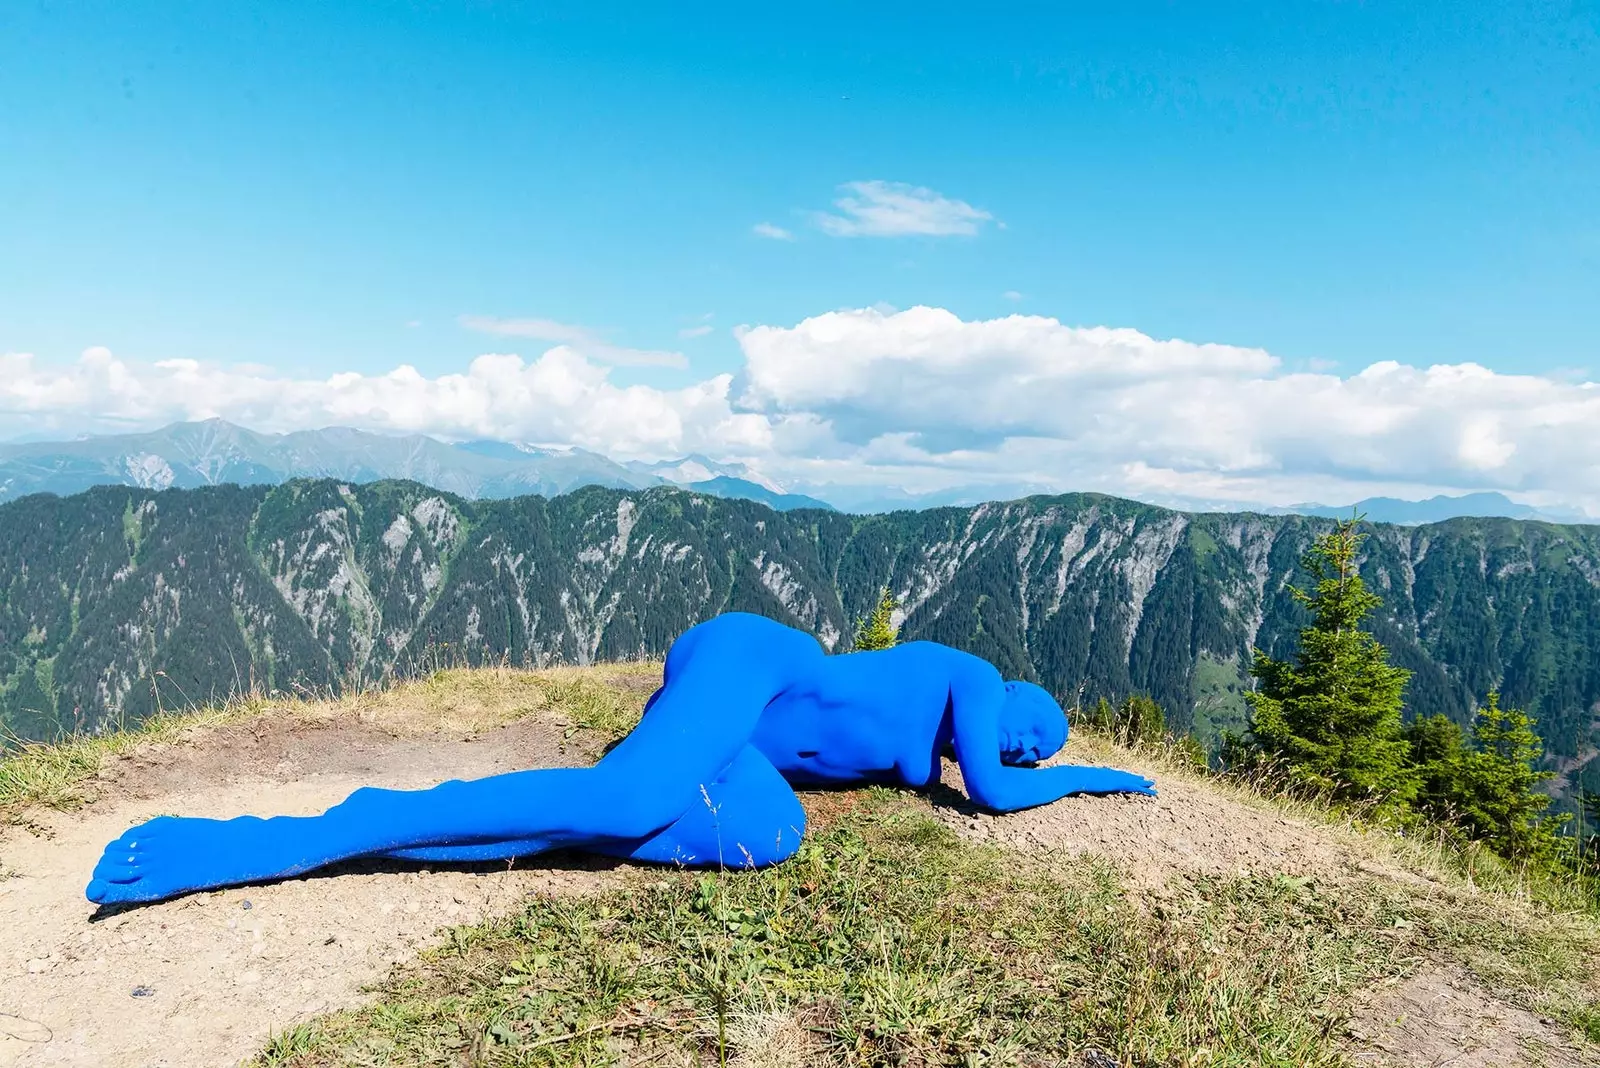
[118,600]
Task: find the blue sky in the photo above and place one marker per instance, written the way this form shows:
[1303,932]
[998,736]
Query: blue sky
[339,187]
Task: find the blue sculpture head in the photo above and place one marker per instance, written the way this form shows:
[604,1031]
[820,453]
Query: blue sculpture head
[1032,725]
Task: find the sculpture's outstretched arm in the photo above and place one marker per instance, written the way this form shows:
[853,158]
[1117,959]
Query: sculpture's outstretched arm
[977,694]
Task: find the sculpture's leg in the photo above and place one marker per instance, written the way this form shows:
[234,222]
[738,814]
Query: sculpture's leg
[720,677]
[748,817]
[508,849]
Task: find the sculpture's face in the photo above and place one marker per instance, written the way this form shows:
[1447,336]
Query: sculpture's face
[1032,725]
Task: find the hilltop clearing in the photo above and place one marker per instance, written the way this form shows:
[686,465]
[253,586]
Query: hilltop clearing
[1205,927]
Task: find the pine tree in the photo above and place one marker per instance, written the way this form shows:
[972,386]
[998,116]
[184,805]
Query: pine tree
[878,631]
[1332,716]
[1500,800]
[1437,752]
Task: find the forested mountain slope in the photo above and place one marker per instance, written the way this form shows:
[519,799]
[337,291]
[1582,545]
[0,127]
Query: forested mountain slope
[117,599]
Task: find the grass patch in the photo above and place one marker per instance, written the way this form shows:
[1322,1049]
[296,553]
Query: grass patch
[588,703]
[54,776]
[887,940]
[1529,954]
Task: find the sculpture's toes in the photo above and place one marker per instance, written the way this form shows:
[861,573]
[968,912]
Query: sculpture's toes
[106,892]
[113,883]
[123,873]
[117,872]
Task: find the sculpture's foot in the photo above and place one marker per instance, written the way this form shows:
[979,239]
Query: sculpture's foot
[168,856]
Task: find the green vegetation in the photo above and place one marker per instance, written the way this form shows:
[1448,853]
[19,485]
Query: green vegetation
[1332,716]
[877,631]
[1489,789]
[1218,699]
[1137,722]
[1329,724]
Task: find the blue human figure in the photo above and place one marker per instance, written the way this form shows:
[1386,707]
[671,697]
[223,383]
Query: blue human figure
[746,708]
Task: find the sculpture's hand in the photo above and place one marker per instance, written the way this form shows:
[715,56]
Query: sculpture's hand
[1019,788]
[1075,780]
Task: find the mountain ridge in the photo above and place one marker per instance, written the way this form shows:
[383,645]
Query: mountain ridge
[120,600]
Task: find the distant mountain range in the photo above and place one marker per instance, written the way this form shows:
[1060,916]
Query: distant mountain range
[1438,509]
[214,452]
[118,601]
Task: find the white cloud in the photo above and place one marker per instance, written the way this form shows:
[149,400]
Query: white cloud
[696,331]
[559,397]
[1025,397]
[895,209]
[923,399]
[776,233]
[1012,295]
[581,338]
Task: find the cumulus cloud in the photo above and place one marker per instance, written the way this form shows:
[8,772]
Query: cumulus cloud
[776,233]
[923,399]
[895,209]
[578,337]
[1117,409]
[562,396]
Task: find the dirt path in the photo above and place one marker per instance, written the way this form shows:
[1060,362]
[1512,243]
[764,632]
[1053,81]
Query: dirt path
[206,979]
[1190,828]
[1441,1016]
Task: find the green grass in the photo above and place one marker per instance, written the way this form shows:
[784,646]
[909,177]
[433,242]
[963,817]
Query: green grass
[586,703]
[1219,705]
[889,941]
[54,776]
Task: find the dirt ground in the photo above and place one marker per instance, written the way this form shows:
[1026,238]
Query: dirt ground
[1441,1017]
[1190,828]
[206,979]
